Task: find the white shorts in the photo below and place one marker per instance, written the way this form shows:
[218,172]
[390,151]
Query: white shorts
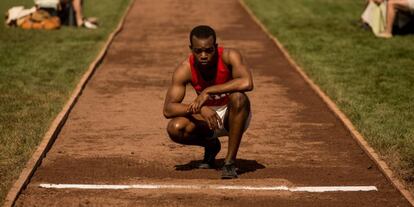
[221,111]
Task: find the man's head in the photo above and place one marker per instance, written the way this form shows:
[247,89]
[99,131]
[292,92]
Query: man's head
[203,45]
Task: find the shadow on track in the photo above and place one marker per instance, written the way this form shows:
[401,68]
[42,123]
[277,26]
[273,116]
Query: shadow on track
[244,166]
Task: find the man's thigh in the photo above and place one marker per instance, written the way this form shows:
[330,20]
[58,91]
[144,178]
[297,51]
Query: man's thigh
[191,125]
[226,125]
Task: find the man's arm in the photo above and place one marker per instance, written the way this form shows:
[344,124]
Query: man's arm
[242,78]
[175,94]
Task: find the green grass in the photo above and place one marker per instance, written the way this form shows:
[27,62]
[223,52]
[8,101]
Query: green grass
[370,79]
[38,72]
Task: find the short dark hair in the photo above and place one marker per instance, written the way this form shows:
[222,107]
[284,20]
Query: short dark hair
[202,31]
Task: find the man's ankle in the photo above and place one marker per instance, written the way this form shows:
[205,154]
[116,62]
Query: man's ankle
[229,162]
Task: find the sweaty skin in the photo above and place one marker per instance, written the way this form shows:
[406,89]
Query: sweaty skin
[191,122]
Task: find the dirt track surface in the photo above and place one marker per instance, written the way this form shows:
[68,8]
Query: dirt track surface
[116,132]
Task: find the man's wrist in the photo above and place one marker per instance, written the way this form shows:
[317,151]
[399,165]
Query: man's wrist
[207,91]
[203,108]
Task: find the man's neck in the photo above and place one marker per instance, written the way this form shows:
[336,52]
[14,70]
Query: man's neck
[208,73]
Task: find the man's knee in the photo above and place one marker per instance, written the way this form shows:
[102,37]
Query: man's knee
[176,128]
[179,130]
[239,101]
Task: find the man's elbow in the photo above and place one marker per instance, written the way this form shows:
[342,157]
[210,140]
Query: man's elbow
[167,114]
[248,86]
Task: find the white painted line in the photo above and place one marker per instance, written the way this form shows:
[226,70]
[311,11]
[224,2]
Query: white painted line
[312,189]
[333,189]
[235,187]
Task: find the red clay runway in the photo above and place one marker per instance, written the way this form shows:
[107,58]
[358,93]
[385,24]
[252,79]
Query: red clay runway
[116,132]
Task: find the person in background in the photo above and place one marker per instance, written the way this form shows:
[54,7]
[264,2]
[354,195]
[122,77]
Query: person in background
[81,21]
[392,7]
[69,11]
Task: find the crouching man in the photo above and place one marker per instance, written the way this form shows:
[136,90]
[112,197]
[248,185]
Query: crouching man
[220,78]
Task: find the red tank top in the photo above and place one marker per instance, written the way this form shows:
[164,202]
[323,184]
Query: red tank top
[222,76]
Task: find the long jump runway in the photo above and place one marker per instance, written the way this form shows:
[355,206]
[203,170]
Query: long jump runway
[114,150]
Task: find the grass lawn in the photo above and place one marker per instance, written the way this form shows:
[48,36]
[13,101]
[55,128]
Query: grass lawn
[370,79]
[38,72]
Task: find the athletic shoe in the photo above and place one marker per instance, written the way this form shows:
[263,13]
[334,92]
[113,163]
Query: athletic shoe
[89,25]
[210,152]
[229,171]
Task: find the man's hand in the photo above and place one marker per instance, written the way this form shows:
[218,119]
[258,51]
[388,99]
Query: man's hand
[211,117]
[196,105]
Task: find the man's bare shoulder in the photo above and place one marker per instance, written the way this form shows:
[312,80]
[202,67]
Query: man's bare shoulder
[182,72]
[230,55]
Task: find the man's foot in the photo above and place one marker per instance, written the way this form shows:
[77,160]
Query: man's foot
[229,171]
[384,35]
[88,25]
[93,20]
[210,152]
[361,24]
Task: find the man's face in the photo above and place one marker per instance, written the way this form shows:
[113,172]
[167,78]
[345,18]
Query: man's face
[204,50]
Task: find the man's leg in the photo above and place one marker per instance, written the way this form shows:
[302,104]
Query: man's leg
[392,7]
[237,115]
[194,131]
[77,7]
